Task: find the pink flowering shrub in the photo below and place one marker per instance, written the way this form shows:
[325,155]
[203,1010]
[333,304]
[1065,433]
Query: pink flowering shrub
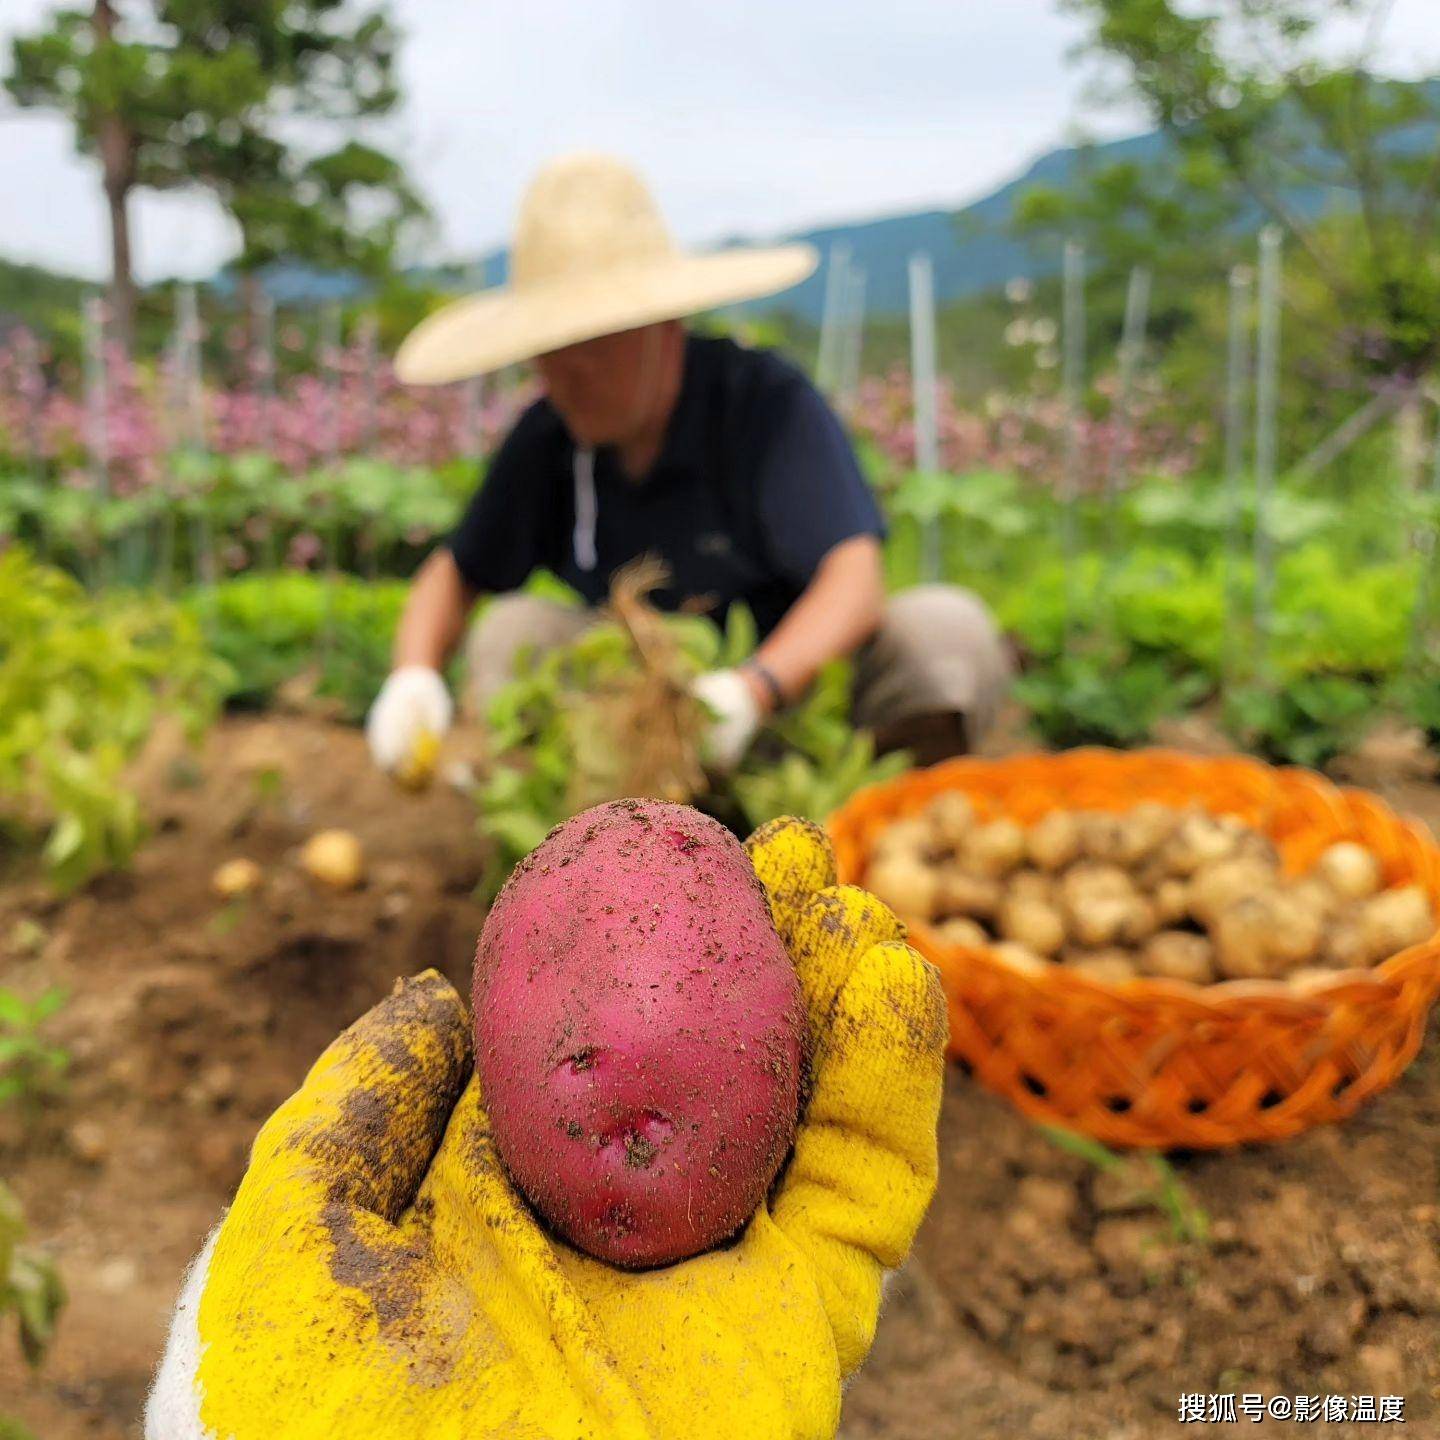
[1025,435]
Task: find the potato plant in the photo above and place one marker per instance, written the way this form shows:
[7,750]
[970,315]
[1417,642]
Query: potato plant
[1176,894]
[82,680]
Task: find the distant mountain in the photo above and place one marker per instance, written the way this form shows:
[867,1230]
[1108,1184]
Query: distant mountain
[970,248]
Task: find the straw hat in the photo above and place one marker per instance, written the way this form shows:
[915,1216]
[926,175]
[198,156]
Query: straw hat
[591,256]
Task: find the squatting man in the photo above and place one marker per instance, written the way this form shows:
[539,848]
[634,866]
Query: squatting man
[723,462]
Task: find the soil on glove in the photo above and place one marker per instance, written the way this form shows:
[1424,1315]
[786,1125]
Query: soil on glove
[1045,1300]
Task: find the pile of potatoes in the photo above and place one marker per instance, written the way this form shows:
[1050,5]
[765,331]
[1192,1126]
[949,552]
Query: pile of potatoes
[1176,893]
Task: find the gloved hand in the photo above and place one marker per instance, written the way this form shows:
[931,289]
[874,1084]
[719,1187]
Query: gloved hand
[378,1276]
[412,703]
[735,716]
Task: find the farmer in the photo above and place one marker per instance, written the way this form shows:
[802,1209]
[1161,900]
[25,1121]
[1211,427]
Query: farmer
[377,1278]
[722,462]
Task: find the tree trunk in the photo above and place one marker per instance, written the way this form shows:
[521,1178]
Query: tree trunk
[116,145]
[122,281]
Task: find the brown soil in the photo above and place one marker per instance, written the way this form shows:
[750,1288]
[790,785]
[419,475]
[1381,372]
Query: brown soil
[1045,1300]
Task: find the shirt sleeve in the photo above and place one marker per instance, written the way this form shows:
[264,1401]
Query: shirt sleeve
[498,542]
[812,493]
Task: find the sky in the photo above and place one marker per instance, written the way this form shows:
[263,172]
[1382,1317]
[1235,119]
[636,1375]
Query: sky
[751,117]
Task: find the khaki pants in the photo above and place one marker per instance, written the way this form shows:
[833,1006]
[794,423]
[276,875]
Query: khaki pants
[937,653]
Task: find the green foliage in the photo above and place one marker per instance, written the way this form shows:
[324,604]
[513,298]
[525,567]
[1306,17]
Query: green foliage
[553,760]
[81,683]
[1256,105]
[373,517]
[31,1069]
[1309,721]
[813,759]
[1090,699]
[1189,1222]
[30,1286]
[271,628]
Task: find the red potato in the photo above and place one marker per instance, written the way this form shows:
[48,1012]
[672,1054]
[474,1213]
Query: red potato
[639,1032]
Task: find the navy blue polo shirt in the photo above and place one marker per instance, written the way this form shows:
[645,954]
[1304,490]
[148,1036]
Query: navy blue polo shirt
[755,483]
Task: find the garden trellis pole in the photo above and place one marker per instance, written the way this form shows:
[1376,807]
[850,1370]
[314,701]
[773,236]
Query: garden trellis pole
[1237,387]
[97,428]
[1424,542]
[472,411]
[192,380]
[854,338]
[330,338]
[1132,349]
[832,316]
[1267,399]
[1073,382]
[923,393]
[370,363]
[32,389]
[264,327]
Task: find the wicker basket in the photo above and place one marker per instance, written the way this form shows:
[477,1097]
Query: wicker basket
[1165,1064]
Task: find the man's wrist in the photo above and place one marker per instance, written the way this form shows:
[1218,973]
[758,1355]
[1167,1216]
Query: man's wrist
[764,685]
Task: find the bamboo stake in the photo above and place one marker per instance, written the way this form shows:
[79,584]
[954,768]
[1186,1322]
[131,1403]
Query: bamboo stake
[922,385]
[472,418]
[837,273]
[192,371]
[1073,381]
[1267,399]
[1132,347]
[264,327]
[1237,384]
[330,359]
[33,385]
[369,351]
[854,338]
[1423,541]
[97,427]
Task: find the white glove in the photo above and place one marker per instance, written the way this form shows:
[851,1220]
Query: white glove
[735,716]
[412,703]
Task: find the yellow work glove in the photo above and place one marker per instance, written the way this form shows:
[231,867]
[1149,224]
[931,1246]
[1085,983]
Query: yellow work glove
[378,1275]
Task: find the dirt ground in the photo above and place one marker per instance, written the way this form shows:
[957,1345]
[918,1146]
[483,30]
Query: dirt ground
[1045,1300]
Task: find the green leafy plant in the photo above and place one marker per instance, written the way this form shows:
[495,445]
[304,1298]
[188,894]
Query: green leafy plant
[31,1068]
[1189,1223]
[1307,721]
[1104,699]
[82,680]
[554,754]
[268,629]
[812,759]
[30,1285]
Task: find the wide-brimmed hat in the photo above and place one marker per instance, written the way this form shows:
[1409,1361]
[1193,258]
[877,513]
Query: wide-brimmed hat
[591,255]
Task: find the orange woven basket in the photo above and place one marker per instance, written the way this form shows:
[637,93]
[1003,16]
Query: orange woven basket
[1158,1063]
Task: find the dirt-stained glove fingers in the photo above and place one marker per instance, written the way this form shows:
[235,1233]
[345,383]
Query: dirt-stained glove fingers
[793,859]
[865,1160]
[370,1114]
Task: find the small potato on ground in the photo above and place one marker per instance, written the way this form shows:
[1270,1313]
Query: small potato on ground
[335,858]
